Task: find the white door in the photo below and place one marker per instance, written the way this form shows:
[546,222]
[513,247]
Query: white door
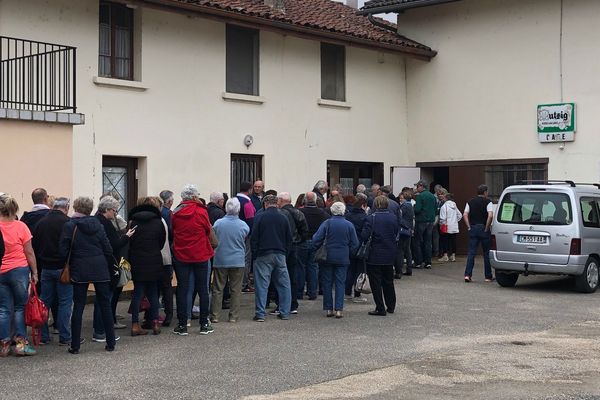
[404,176]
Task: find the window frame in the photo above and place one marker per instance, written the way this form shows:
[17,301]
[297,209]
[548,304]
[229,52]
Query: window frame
[113,9]
[229,29]
[584,218]
[340,75]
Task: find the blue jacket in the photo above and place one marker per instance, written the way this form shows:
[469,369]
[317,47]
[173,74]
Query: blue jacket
[357,217]
[408,219]
[231,232]
[384,226]
[341,240]
[90,250]
[270,233]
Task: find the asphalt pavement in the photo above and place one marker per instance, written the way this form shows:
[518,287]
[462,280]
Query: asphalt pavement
[447,340]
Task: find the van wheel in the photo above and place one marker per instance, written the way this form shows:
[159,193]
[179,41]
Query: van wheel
[506,279]
[588,281]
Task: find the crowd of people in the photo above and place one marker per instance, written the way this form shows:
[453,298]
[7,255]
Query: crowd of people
[255,242]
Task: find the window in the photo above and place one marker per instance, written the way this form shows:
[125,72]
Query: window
[535,208]
[333,72]
[245,168]
[115,57]
[242,60]
[499,177]
[589,212]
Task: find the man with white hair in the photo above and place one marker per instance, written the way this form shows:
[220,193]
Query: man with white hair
[258,192]
[299,229]
[229,261]
[215,207]
[320,189]
[271,240]
[361,189]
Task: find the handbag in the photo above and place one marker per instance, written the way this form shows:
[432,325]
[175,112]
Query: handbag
[144,305]
[365,248]
[362,284]
[124,272]
[65,275]
[36,315]
[321,253]
[444,228]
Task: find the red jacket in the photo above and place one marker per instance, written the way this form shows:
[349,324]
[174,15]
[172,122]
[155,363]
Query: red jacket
[191,228]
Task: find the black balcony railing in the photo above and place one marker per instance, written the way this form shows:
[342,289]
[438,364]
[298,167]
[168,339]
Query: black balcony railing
[37,76]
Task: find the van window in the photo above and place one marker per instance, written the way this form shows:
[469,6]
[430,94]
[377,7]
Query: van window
[535,208]
[589,212]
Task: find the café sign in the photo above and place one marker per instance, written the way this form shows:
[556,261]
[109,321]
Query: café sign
[556,122]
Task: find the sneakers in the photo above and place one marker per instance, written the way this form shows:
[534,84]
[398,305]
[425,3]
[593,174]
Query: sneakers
[258,319]
[232,320]
[468,278]
[280,316]
[22,348]
[119,325]
[274,312]
[214,320]
[207,328]
[428,266]
[4,348]
[359,299]
[180,330]
[453,258]
[444,259]
[294,311]
[98,338]
[189,323]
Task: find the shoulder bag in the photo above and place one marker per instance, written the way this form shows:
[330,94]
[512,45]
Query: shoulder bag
[36,315]
[65,275]
[321,253]
[124,272]
[365,248]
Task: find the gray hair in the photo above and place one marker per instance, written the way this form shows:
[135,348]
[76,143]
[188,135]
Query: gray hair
[108,203]
[215,197]
[166,196]
[361,188]
[361,196]
[338,208]
[61,203]
[321,184]
[310,199]
[285,196]
[83,205]
[270,200]
[232,207]
[189,192]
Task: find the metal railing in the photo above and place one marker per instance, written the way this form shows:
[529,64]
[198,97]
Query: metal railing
[37,76]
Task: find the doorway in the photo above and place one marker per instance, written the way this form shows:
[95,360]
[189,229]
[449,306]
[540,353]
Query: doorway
[245,168]
[350,174]
[119,179]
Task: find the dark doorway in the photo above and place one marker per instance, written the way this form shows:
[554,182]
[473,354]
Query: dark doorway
[245,168]
[120,181]
[350,174]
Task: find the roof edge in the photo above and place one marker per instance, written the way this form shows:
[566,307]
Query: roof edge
[402,6]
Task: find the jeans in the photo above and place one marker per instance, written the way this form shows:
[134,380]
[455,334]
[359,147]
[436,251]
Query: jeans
[381,278]
[310,268]
[221,275]
[404,252]
[333,273]
[435,240]
[185,272]
[150,289]
[115,293]
[423,235]
[267,267]
[103,295]
[166,288]
[291,261]
[53,290]
[477,235]
[191,294]
[356,268]
[13,297]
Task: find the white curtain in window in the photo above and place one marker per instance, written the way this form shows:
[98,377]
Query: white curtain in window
[122,52]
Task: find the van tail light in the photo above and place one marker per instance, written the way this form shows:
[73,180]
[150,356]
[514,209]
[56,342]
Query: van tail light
[493,243]
[575,247]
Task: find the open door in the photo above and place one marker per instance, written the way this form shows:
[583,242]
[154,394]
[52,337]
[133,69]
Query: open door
[404,177]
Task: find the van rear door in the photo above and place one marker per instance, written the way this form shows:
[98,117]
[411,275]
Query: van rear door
[534,225]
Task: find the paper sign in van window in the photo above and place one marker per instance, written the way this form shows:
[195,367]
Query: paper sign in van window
[508,210]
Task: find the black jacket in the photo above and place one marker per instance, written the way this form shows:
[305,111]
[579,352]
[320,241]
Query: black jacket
[118,242]
[270,233]
[90,250]
[214,212]
[357,216]
[46,238]
[298,224]
[146,243]
[31,218]
[384,226]
[314,218]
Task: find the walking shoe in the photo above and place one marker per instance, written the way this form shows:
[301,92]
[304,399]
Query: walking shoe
[137,330]
[468,279]
[180,330]
[98,338]
[214,320]
[118,317]
[258,319]
[232,320]
[280,316]
[207,328]
[418,266]
[156,327]
[109,348]
[4,348]
[490,279]
[274,312]
[22,348]
[338,314]
[294,311]
[379,313]
[359,299]
[166,322]
[119,325]
[444,259]
[329,313]
[428,266]
[73,351]
[189,323]
[453,258]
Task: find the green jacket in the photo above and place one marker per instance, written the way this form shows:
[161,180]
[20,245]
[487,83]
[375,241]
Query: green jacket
[425,207]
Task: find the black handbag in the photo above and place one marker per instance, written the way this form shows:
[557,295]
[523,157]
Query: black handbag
[365,248]
[321,253]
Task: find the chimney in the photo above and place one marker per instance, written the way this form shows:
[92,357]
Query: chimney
[352,3]
[278,5]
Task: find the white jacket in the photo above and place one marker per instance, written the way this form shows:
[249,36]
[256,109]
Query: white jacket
[450,215]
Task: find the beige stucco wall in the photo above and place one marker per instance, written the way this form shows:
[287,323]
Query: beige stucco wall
[497,61]
[187,131]
[35,154]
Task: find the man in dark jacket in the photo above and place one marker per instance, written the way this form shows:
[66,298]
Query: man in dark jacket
[320,189]
[258,192]
[306,256]
[405,235]
[40,209]
[215,207]
[46,237]
[424,219]
[299,229]
[271,241]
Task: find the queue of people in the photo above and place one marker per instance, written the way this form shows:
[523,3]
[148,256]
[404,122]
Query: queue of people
[255,242]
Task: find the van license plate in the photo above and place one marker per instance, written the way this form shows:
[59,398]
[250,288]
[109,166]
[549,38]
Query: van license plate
[531,239]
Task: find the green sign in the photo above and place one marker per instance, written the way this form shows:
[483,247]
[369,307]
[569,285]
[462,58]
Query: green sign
[556,122]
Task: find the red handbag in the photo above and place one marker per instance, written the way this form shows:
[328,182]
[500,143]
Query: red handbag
[36,315]
[444,228]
